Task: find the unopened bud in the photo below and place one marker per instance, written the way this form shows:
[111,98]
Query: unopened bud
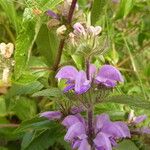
[94,31]
[79,29]
[61,30]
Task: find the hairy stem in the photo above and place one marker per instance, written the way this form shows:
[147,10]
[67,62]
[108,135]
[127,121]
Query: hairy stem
[62,41]
[90,125]
[90,108]
[87,61]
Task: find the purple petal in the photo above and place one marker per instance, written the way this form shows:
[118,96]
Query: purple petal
[101,120]
[67,72]
[52,14]
[84,145]
[105,81]
[124,128]
[139,119]
[116,130]
[102,142]
[81,83]
[109,75]
[76,144]
[51,115]
[74,131]
[70,120]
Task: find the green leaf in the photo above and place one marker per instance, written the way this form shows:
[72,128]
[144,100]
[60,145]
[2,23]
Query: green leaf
[52,92]
[47,47]
[126,144]
[46,138]
[24,89]
[134,101]
[24,43]
[37,123]
[124,9]
[97,10]
[2,107]
[8,7]
[25,108]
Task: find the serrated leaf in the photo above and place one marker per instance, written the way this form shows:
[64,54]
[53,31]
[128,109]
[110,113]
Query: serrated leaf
[46,138]
[97,10]
[25,108]
[134,101]
[24,89]
[47,47]
[52,92]
[24,43]
[36,123]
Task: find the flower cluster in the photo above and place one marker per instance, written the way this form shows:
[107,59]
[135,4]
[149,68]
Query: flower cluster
[86,36]
[105,135]
[107,75]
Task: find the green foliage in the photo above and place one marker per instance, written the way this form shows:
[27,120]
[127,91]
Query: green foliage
[9,7]
[97,10]
[25,108]
[134,101]
[32,86]
[52,92]
[124,8]
[49,46]
[127,143]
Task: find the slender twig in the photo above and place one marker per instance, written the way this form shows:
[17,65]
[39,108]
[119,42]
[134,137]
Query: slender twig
[62,41]
[128,58]
[9,125]
[41,68]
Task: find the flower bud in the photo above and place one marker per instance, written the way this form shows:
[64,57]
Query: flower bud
[94,31]
[78,29]
[61,30]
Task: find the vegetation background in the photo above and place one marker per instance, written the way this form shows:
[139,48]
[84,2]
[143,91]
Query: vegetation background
[32,88]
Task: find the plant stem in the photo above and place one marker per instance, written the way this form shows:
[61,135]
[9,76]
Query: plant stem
[90,108]
[72,8]
[62,41]
[87,61]
[59,53]
[90,125]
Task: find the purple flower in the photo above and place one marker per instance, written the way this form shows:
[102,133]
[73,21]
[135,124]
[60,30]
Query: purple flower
[51,115]
[77,80]
[108,76]
[106,132]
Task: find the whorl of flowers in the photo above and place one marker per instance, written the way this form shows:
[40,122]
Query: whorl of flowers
[77,81]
